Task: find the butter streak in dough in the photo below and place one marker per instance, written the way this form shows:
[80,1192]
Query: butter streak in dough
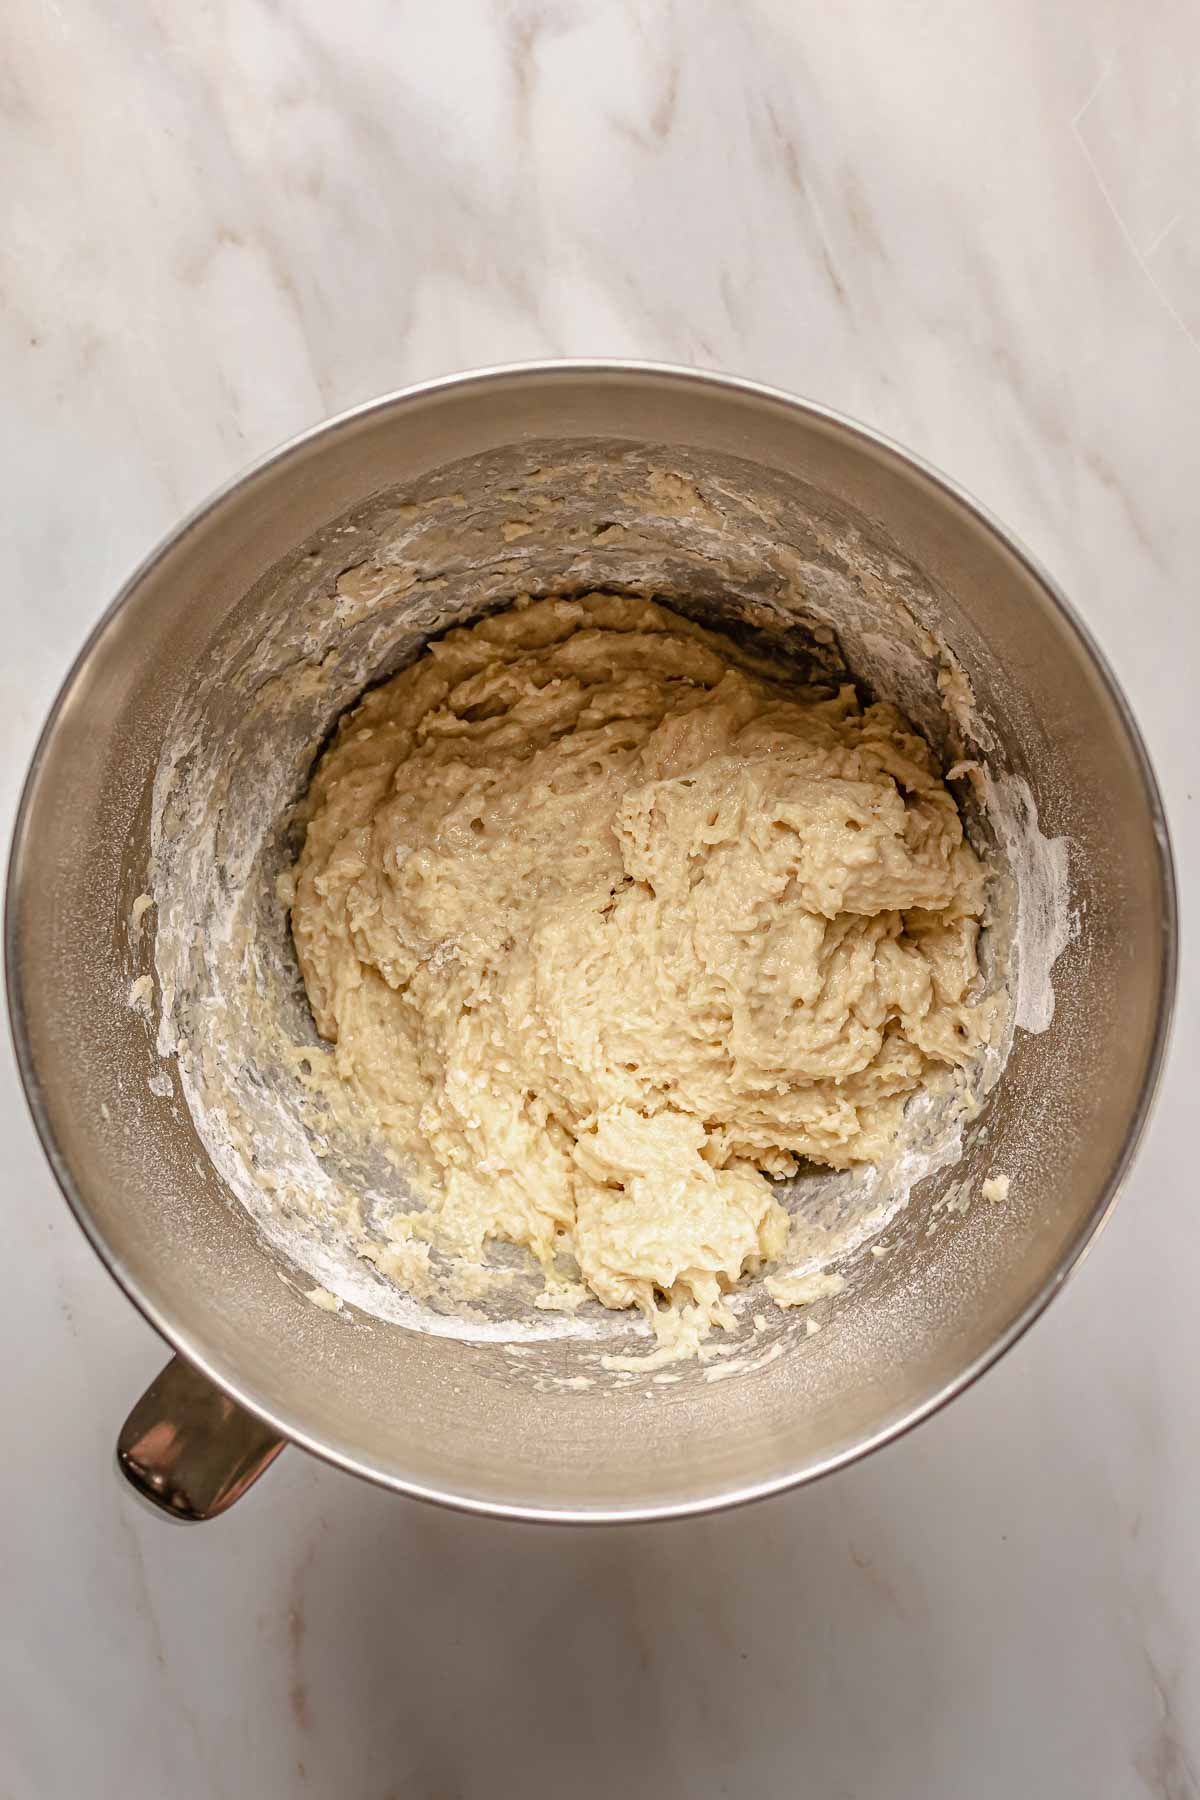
[609,923]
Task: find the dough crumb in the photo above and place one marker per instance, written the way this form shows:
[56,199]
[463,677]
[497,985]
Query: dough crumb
[802,1290]
[141,995]
[321,1297]
[995,1190]
[561,1296]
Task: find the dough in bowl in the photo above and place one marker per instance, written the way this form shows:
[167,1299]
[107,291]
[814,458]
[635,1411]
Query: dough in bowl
[612,921]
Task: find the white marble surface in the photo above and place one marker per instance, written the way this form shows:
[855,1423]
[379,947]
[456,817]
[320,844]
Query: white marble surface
[975,226]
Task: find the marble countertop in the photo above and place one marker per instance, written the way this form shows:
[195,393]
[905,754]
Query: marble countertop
[975,227]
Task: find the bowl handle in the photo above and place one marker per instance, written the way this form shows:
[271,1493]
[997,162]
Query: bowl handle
[191,1450]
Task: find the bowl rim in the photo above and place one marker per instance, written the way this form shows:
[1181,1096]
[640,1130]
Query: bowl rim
[906,1419]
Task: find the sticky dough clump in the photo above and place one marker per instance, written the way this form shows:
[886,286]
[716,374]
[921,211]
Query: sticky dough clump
[610,922]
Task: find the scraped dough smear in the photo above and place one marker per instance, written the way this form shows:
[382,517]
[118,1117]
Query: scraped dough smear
[611,922]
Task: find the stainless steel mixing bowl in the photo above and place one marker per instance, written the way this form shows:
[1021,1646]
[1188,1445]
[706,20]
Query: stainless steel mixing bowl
[810,505]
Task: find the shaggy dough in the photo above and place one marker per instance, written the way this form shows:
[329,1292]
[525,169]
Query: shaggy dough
[610,921]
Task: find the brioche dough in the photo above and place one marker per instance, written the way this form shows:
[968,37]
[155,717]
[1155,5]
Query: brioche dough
[610,921]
